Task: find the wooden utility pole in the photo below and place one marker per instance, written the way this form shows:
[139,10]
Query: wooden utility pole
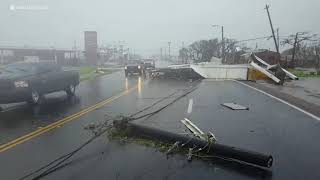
[223,44]
[2,54]
[272,30]
[169,45]
[294,50]
[278,38]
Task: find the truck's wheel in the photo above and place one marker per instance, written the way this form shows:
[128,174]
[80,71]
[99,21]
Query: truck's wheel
[35,98]
[71,90]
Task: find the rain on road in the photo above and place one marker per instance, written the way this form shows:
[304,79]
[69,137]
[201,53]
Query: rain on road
[256,129]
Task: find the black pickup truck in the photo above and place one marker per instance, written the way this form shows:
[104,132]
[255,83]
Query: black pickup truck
[29,82]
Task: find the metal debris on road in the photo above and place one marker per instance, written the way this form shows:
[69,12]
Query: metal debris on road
[90,126]
[235,106]
[194,129]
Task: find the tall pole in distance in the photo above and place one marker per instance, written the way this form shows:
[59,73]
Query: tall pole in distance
[222,42]
[160,53]
[184,59]
[223,45]
[165,53]
[294,50]
[169,44]
[278,38]
[274,37]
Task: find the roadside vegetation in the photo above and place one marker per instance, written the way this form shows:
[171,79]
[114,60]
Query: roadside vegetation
[301,73]
[123,137]
[88,72]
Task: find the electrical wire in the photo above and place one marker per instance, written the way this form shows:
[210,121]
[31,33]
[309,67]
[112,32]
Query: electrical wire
[58,163]
[155,103]
[212,156]
[253,39]
[62,158]
[164,107]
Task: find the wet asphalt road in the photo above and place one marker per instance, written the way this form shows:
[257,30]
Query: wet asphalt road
[20,119]
[269,127]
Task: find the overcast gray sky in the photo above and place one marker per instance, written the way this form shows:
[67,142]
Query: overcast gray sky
[147,25]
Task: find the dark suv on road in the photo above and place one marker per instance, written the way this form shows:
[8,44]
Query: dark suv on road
[149,64]
[28,82]
[134,67]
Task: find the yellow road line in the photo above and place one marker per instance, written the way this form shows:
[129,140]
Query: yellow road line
[61,122]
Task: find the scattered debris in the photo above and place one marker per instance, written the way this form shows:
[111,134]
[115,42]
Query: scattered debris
[274,72]
[180,73]
[211,137]
[255,69]
[194,129]
[268,66]
[123,137]
[265,72]
[235,106]
[173,147]
[90,126]
[189,155]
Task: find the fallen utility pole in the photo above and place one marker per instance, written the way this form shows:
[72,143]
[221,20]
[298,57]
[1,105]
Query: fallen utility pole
[215,149]
[272,30]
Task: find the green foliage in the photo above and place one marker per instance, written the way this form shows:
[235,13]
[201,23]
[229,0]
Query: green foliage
[122,136]
[87,70]
[301,73]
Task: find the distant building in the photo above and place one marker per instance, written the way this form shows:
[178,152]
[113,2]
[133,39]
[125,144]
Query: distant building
[91,47]
[28,54]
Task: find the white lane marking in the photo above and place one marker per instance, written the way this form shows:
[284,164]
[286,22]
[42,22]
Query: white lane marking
[281,100]
[190,106]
